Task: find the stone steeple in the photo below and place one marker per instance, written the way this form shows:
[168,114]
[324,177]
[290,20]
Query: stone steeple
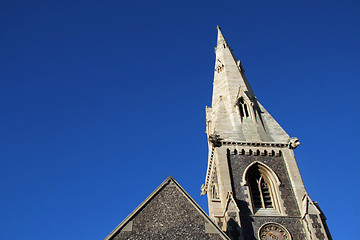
[233,97]
[253,184]
[254,187]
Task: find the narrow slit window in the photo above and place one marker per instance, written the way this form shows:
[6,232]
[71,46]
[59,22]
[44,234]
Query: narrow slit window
[243,109]
[246,110]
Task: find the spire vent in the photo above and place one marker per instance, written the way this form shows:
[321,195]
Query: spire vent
[219,66]
[243,109]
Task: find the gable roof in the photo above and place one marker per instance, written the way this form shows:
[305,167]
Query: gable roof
[167,213]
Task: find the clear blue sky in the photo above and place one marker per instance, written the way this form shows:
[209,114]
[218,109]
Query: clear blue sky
[102,100]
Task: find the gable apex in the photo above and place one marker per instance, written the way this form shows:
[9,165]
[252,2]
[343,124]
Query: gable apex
[161,204]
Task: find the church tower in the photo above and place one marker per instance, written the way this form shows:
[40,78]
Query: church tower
[253,183]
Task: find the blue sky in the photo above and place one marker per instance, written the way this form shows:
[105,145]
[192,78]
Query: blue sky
[102,100]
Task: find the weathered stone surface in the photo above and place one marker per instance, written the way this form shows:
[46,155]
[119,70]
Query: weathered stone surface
[251,223]
[168,214]
[317,226]
[251,226]
[238,164]
[249,139]
[230,88]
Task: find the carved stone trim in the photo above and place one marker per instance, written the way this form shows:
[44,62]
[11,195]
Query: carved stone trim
[257,152]
[215,140]
[128,227]
[260,144]
[273,230]
[205,186]
[294,143]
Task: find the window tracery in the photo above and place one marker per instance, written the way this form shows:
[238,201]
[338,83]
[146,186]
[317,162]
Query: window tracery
[260,191]
[263,189]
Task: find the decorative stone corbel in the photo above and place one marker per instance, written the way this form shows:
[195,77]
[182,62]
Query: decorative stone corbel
[294,142]
[215,140]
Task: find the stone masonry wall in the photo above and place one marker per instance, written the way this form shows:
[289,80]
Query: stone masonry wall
[168,215]
[251,223]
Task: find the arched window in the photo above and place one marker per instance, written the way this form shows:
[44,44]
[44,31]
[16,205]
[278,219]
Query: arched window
[259,189]
[263,187]
[243,108]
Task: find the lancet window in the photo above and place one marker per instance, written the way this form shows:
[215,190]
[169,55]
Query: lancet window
[260,191]
[263,187]
[243,109]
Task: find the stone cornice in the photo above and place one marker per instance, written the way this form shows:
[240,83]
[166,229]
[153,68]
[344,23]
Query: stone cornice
[246,148]
[256,144]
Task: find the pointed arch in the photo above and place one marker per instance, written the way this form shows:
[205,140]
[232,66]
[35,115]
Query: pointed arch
[245,106]
[264,168]
[263,186]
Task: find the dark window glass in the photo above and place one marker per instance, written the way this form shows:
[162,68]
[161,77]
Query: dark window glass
[259,189]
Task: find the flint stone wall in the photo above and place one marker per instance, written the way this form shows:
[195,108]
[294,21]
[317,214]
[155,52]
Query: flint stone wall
[168,215]
[250,223]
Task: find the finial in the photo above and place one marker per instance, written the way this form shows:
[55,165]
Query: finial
[218,27]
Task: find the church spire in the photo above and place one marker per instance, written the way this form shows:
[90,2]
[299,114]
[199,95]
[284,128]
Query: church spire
[227,64]
[234,100]
[253,184]
[220,40]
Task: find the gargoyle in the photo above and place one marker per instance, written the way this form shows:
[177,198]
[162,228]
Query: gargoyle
[294,142]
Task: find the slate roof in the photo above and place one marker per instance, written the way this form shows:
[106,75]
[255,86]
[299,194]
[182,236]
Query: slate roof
[168,213]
